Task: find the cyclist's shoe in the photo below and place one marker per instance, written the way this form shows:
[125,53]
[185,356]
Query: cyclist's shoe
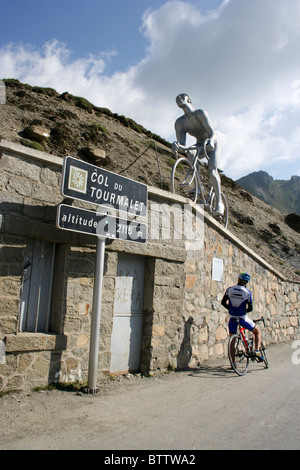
[219,210]
[258,356]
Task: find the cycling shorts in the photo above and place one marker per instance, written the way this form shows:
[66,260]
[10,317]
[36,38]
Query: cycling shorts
[245,321]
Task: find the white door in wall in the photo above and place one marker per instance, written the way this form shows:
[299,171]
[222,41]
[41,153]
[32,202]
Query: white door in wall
[36,295]
[128,314]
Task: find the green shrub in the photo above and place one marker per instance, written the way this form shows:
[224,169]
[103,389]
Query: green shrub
[33,145]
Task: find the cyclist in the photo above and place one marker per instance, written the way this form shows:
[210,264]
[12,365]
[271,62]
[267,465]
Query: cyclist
[197,124]
[238,301]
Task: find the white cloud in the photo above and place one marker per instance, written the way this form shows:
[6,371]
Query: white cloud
[238,62]
[51,66]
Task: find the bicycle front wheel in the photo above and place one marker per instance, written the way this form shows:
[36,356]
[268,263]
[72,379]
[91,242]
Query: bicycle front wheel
[238,357]
[183,179]
[264,355]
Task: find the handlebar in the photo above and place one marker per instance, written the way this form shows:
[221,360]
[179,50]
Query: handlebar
[197,147]
[260,319]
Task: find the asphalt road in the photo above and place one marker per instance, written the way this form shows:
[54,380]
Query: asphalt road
[207,409]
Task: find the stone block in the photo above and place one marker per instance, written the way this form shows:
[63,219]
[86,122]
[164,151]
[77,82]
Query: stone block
[158,330]
[218,350]
[23,342]
[94,152]
[38,133]
[203,335]
[19,186]
[45,193]
[294,321]
[203,352]
[39,370]
[82,340]
[221,333]
[293,297]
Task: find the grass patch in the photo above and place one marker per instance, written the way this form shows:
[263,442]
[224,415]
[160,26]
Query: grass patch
[33,145]
[77,386]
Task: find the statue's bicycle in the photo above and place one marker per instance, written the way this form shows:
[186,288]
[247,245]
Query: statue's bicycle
[186,181]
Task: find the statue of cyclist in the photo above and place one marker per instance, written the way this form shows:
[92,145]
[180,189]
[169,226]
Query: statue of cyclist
[197,124]
[238,301]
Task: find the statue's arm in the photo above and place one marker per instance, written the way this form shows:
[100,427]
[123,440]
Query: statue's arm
[179,144]
[180,132]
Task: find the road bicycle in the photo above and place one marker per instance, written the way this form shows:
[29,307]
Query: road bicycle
[241,350]
[186,181]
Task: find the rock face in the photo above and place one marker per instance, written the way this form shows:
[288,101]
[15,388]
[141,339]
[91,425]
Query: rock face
[283,194]
[293,220]
[38,133]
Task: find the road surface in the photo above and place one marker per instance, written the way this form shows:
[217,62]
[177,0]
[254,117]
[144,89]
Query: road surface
[210,408]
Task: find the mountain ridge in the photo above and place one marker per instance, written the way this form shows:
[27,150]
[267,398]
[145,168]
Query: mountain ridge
[282,194]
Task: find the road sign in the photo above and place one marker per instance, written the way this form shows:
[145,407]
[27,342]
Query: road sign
[86,182]
[92,184]
[80,220]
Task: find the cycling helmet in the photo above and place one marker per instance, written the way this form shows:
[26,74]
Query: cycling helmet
[244,277]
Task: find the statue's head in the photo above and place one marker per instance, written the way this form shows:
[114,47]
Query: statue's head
[183,98]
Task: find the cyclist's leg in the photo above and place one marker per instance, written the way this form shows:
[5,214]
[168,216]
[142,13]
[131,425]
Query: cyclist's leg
[232,326]
[257,342]
[250,325]
[257,338]
[190,154]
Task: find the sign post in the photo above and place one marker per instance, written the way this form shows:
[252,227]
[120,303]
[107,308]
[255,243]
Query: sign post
[94,185]
[96,315]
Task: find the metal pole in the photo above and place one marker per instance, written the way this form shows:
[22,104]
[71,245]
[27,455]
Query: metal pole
[96,315]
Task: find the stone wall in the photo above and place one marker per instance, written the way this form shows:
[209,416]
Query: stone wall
[184,322]
[274,299]
[199,331]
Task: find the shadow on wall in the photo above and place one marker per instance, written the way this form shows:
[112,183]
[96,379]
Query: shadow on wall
[185,352]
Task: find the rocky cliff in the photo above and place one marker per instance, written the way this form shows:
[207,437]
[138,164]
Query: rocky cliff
[282,194]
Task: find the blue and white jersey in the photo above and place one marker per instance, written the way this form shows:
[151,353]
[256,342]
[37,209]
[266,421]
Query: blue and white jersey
[239,297]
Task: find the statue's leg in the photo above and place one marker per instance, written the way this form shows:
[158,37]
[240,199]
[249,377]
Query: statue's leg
[215,179]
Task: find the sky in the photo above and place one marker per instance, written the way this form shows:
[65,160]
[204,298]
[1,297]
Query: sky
[237,59]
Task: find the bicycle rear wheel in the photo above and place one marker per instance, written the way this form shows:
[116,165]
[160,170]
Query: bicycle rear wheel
[238,357]
[183,179]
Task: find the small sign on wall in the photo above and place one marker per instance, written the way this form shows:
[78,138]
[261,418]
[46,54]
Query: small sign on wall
[217,269]
[2,353]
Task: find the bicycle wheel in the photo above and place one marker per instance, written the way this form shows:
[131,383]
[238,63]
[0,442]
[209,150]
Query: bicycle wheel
[183,179]
[264,355]
[238,356]
[224,218]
